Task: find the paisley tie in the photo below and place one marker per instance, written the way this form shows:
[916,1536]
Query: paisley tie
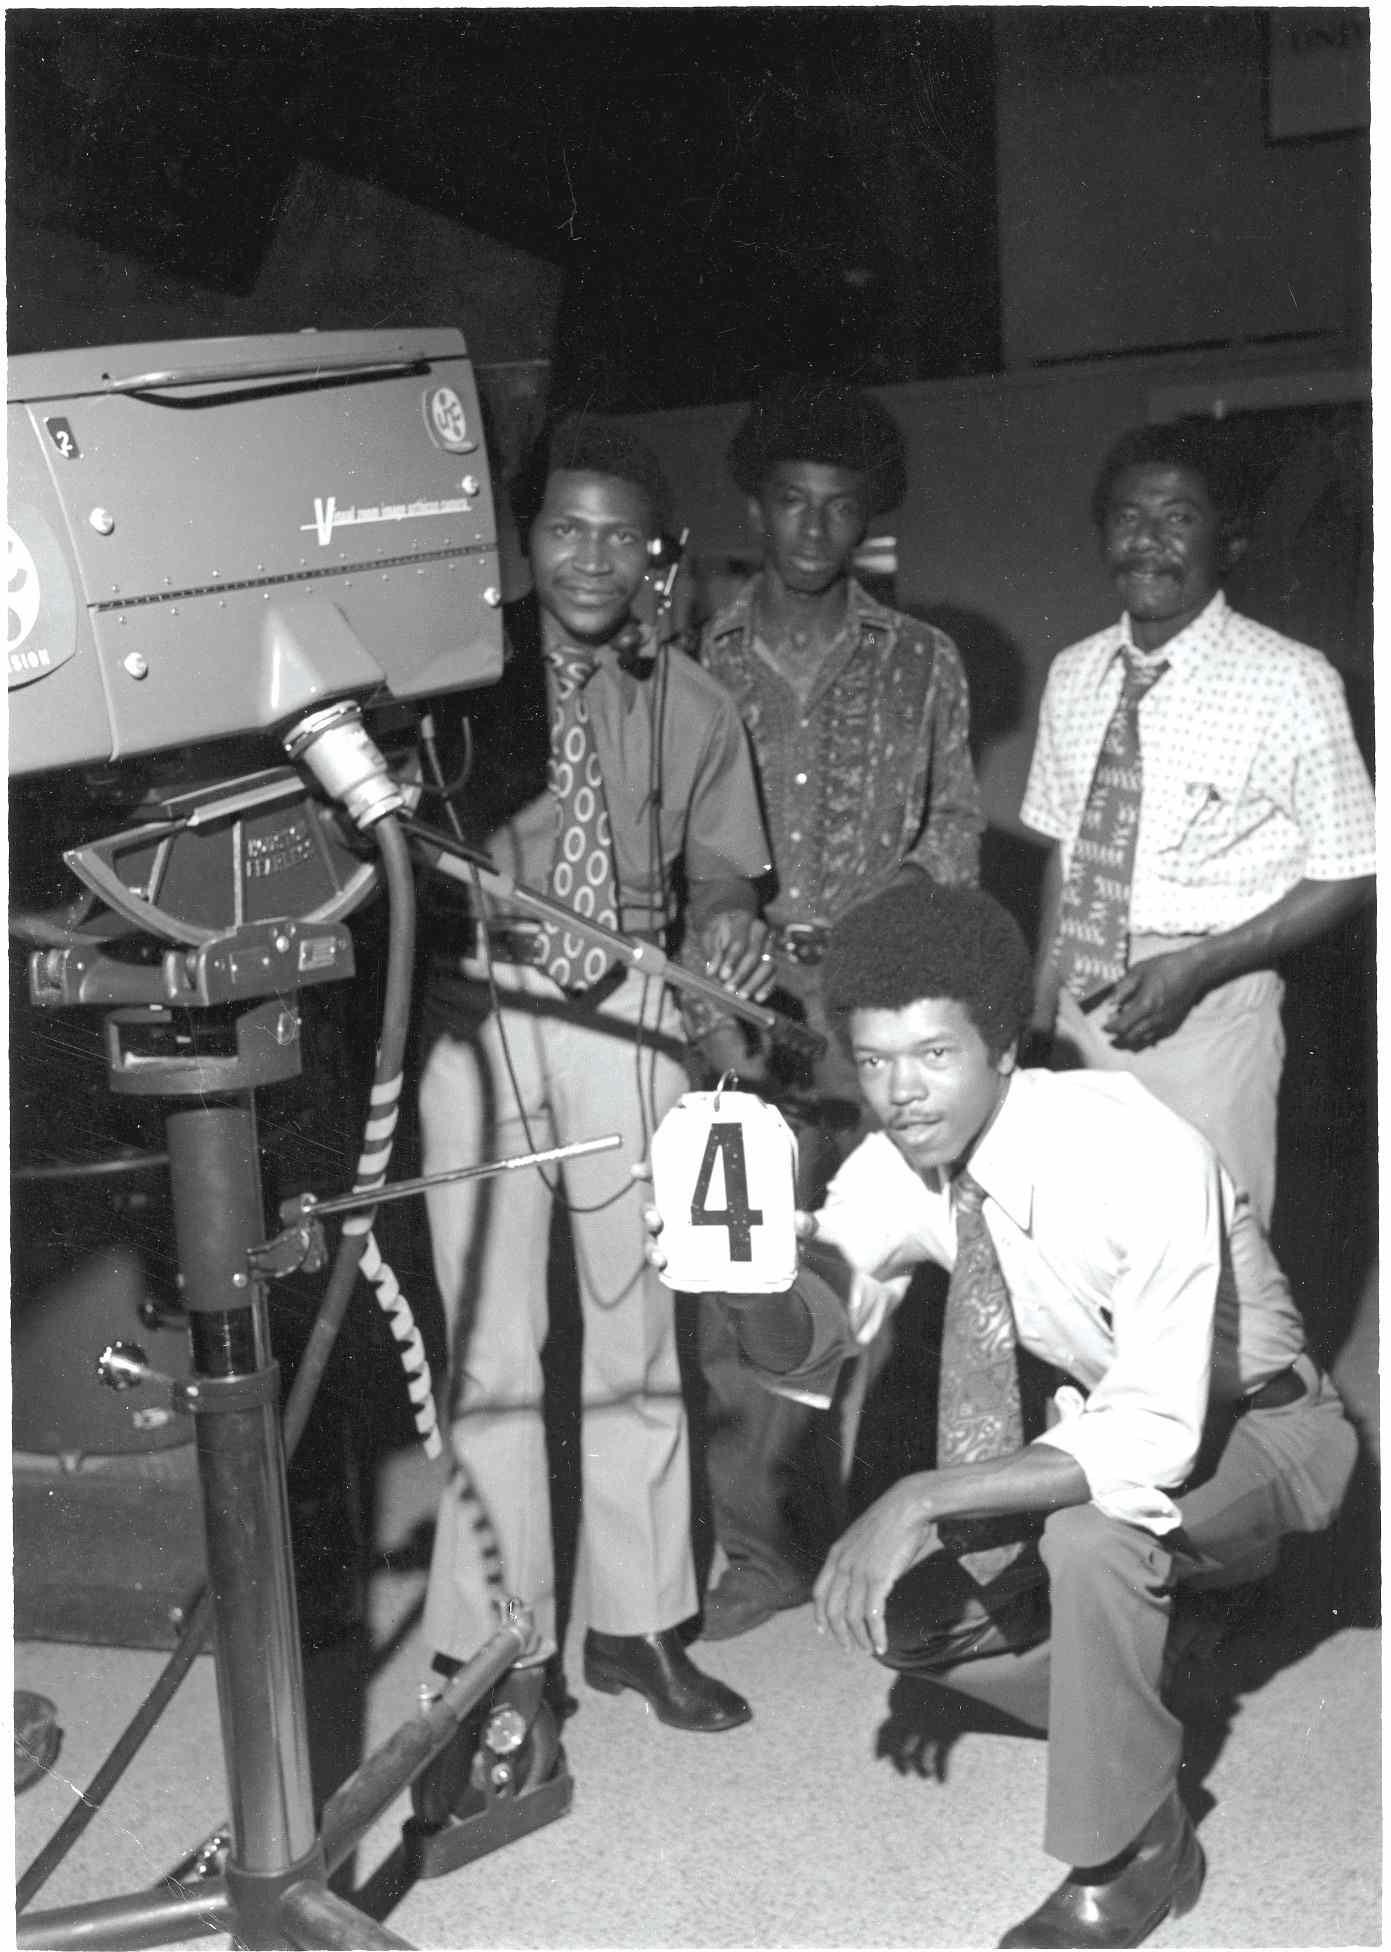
[979,1408]
[1094,918]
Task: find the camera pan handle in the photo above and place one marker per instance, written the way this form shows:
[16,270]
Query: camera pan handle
[312,366]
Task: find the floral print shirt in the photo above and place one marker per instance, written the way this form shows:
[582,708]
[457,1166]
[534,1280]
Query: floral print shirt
[867,770]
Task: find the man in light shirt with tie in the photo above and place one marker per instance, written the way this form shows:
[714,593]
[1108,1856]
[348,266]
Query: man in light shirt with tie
[1210,810]
[1119,1411]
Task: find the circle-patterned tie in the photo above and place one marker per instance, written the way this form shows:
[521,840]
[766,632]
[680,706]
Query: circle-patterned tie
[582,873]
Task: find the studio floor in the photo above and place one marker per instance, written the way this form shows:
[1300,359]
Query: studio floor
[850,1812]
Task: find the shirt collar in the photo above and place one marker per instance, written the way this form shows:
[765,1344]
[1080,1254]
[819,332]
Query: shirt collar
[606,664]
[1184,648]
[860,609]
[1001,1164]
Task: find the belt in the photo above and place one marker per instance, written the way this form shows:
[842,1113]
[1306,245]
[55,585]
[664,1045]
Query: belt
[802,942]
[1285,1388]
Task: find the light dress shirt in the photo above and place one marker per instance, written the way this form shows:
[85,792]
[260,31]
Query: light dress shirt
[1252,777]
[1109,1215]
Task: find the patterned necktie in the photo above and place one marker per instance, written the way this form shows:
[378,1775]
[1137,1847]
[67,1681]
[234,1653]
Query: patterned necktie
[979,1408]
[582,873]
[1094,917]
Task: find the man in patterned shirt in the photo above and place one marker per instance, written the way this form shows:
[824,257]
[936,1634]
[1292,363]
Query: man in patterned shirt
[858,719]
[1256,827]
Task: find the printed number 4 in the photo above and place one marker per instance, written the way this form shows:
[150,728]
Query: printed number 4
[727,1142]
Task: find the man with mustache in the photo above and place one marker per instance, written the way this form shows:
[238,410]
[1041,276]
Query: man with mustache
[1210,810]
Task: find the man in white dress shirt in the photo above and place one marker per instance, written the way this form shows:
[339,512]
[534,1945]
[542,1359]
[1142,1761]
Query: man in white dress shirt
[1172,1427]
[1255,812]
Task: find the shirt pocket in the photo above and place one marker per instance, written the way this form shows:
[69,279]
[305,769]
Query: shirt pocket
[1206,809]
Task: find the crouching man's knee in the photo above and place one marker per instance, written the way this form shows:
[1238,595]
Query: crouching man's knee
[1082,1546]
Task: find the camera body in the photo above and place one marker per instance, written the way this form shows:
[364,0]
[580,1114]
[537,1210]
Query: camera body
[208,539]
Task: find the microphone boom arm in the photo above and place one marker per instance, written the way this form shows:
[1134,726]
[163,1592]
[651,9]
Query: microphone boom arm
[461,862]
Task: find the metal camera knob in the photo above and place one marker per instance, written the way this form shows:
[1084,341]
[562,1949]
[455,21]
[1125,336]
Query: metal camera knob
[125,1365]
[506,1730]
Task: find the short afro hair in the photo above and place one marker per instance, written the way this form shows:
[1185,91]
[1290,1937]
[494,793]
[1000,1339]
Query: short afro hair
[918,940]
[1197,442]
[825,421]
[588,443]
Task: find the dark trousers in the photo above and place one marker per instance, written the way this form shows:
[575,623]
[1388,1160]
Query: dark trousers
[774,1467]
[1086,1661]
[777,1469]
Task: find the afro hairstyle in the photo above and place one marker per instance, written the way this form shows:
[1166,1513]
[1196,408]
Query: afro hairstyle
[919,939]
[587,443]
[825,421]
[1202,445]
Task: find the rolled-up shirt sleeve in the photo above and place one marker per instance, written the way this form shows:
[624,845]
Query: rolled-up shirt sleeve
[725,834]
[1136,1437]
[834,1298]
[1325,788]
[948,848]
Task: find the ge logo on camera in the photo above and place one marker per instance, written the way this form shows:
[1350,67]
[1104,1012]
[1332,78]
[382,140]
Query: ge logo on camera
[447,421]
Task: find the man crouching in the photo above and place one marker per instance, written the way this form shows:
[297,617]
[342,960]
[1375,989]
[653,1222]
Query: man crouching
[1125,1402]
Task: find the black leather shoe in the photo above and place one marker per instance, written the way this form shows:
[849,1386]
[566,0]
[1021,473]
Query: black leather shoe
[743,1600]
[1120,1903]
[657,1665]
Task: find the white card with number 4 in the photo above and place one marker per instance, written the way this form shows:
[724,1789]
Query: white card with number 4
[724,1169]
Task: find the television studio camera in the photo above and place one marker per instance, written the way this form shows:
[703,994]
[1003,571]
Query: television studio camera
[238,570]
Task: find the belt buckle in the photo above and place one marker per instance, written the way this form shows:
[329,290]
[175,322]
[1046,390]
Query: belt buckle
[514,942]
[1279,1392]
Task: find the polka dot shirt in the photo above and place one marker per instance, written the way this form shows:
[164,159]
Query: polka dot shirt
[1252,776]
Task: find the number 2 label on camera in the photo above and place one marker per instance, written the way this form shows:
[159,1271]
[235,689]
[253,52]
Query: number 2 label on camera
[724,1181]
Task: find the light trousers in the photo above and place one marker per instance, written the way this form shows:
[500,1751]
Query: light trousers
[575,1073]
[1220,1069]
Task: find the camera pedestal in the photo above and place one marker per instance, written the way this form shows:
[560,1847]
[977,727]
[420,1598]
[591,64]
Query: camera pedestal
[274,1892]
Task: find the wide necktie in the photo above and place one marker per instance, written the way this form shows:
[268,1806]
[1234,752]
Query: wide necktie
[979,1406]
[582,871]
[1094,917]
